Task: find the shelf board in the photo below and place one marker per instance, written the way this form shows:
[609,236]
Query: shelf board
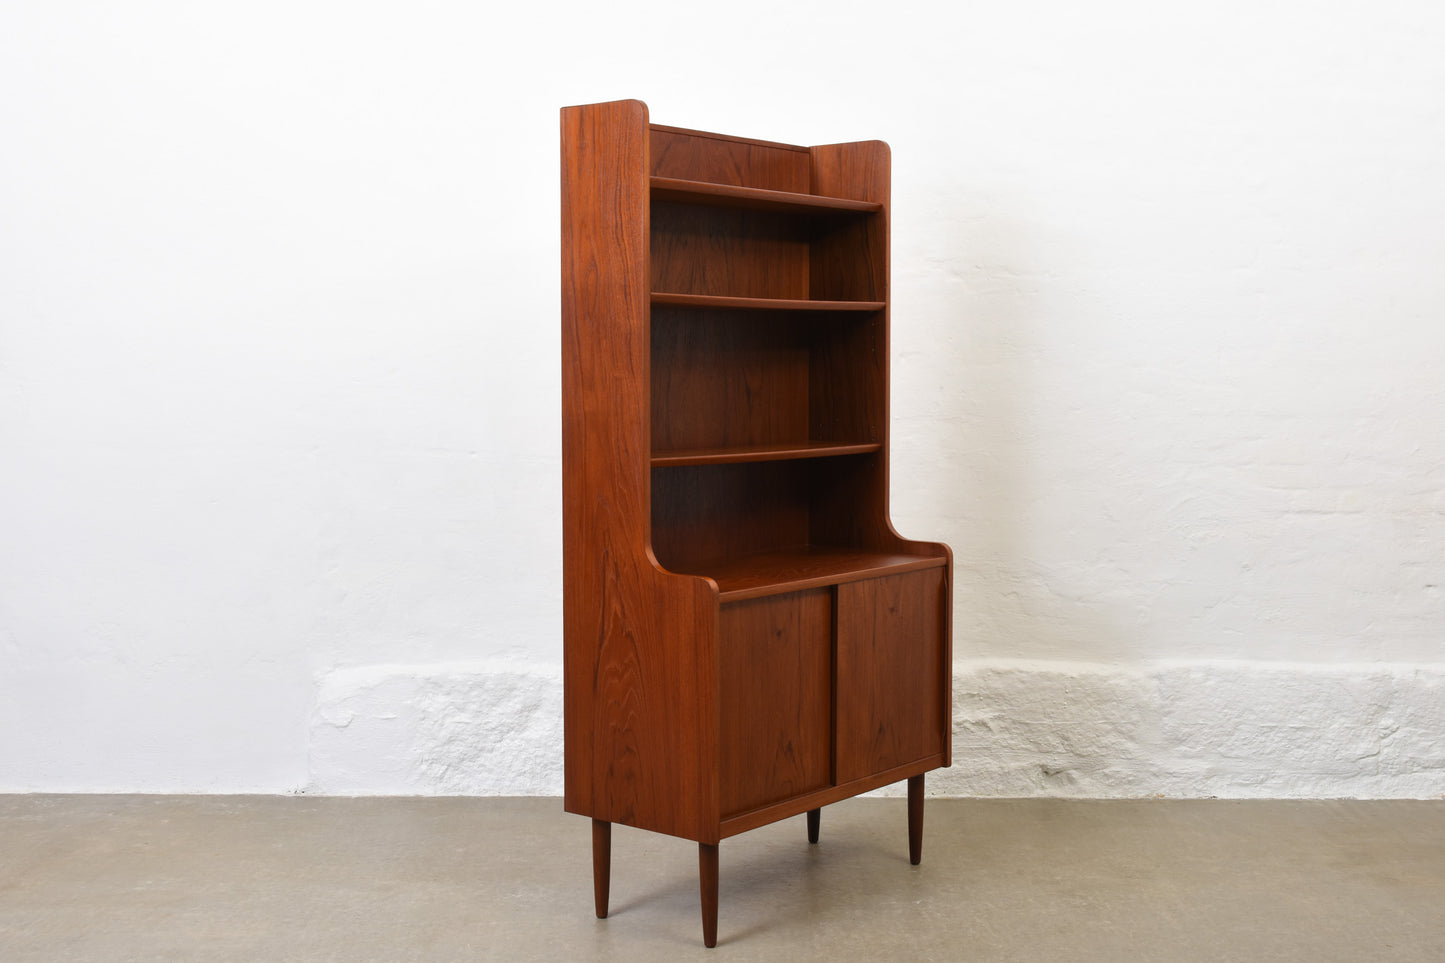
[728,456]
[754,198]
[760,304]
[774,573]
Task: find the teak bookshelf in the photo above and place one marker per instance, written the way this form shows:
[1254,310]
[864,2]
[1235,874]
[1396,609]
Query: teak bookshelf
[746,636]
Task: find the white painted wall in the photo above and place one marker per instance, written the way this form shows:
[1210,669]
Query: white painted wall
[279,377]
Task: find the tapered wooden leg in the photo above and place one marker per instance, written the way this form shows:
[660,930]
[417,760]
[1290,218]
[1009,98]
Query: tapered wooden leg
[915,819]
[601,864]
[707,878]
[814,817]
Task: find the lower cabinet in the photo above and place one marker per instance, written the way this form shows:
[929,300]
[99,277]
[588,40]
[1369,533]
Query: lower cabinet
[822,687]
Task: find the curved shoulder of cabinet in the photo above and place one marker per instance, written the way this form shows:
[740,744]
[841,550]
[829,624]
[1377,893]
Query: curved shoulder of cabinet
[681,580]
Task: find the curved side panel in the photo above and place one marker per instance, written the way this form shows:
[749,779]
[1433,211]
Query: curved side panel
[640,662]
[856,511]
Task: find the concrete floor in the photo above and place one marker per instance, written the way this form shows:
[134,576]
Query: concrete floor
[200,878]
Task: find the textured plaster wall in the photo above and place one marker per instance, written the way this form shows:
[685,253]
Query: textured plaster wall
[1021,728]
[279,467]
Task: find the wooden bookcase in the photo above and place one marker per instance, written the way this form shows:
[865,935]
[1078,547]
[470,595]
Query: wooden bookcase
[746,636]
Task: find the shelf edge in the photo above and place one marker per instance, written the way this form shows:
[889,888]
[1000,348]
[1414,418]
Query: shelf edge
[833,578]
[709,193]
[677,300]
[735,456]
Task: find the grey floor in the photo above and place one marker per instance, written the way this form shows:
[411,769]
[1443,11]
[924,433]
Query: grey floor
[200,878]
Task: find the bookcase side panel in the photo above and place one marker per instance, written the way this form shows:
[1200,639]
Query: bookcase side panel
[640,712]
[854,509]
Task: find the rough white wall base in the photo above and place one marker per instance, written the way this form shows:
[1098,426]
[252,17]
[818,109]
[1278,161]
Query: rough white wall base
[484,729]
[1177,729]
[1196,728]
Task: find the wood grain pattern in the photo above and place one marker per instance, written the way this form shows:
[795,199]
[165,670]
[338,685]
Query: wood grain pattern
[708,512]
[723,381]
[889,663]
[738,253]
[701,156]
[641,750]
[736,379]
[775,663]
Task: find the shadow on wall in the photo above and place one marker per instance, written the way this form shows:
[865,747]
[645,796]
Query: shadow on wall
[1023,590]
[1064,728]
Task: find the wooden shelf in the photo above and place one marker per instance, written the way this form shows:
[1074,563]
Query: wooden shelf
[774,573]
[729,456]
[753,198]
[760,304]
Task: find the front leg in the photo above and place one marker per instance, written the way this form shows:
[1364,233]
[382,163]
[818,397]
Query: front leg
[601,864]
[707,880]
[915,819]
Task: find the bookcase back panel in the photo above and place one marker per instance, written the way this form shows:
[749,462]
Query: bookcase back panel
[721,251]
[707,513]
[724,378]
[704,513]
[728,378]
[696,156]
